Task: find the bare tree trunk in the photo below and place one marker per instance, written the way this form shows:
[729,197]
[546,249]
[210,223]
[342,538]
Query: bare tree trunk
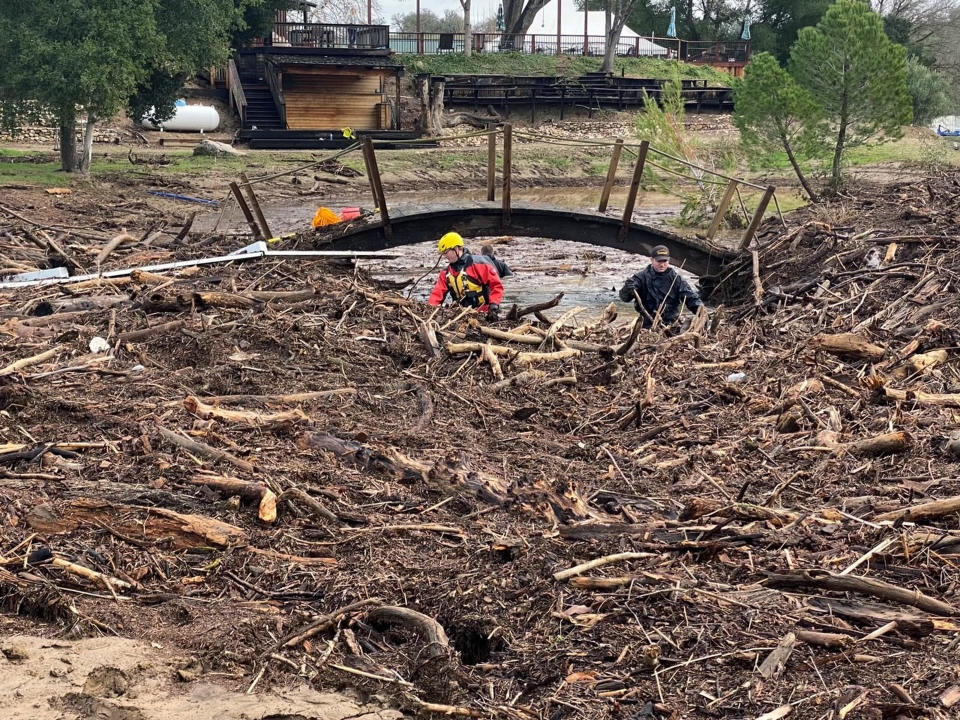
[68,140]
[467,28]
[800,176]
[621,10]
[87,155]
[430,92]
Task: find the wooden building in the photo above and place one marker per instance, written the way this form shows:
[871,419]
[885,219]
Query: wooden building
[306,82]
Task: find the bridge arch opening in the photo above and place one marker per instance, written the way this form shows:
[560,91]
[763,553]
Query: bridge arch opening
[589,276]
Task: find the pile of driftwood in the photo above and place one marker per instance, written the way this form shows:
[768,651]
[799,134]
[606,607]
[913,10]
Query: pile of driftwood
[299,474]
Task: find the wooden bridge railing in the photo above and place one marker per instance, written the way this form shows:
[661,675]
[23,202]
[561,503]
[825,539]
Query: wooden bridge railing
[642,151]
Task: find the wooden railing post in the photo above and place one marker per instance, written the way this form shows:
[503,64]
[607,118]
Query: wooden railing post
[492,165]
[757,217]
[257,232]
[722,209]
[611,175]
[634,189]
[376,186]
[264,228]
[507,161]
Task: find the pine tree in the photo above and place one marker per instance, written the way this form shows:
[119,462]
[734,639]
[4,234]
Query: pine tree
[773,113]
[856,74]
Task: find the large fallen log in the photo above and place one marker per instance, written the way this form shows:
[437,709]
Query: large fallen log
[141,523]
[922,398]
[885,444]
[926,511]
[848,345]
[826,580]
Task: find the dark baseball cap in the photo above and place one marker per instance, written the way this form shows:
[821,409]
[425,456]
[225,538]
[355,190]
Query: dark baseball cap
[660,252]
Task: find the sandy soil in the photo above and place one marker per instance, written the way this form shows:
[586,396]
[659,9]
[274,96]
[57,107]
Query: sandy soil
[112,678]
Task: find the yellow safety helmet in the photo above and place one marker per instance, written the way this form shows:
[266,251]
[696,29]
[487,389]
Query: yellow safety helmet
[449,242]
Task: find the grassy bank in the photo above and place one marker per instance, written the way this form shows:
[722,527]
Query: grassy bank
[562,65]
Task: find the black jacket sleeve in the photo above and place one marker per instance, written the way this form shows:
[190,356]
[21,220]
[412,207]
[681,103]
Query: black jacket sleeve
[634,282]
[689,296]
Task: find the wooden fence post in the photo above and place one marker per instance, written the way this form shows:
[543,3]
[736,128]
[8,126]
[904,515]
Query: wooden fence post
[376,186]
[492,165]
[264,228]
[257,232]
[507,161]
[634,189]
[757,217]
[611,175]
[722,209]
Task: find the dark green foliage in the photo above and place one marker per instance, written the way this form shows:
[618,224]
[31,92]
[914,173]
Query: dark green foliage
[929,91]
[856,75]
[773,113]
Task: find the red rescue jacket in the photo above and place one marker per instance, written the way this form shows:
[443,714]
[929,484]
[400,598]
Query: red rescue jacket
[472,282]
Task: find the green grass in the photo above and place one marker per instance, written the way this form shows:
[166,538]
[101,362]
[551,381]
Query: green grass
[566,65]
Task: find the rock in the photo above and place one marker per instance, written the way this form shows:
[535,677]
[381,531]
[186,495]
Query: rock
[14,653]
[215,149]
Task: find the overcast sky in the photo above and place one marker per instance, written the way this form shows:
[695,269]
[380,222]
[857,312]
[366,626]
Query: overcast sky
[481,9]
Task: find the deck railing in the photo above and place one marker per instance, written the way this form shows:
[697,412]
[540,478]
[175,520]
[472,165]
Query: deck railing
[237,96]
[593,45]
[378,37]
[329,36]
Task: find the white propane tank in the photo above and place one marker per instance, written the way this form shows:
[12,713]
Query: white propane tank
[188,118]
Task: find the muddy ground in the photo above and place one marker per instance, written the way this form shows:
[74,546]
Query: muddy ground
[269,472]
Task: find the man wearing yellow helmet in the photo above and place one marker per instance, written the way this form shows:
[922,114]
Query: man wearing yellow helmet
[471,280]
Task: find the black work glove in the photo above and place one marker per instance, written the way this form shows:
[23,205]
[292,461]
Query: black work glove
[493,312]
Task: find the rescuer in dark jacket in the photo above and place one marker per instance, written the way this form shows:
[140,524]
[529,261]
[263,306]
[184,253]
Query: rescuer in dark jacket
[660,288]
[471,280]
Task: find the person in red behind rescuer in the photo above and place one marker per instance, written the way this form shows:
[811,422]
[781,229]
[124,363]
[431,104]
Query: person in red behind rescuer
[471,280]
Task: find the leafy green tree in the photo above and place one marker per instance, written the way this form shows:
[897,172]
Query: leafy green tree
[929,90]
[80,59]
[856,74]
[774,113]
[779,21]
[70,57]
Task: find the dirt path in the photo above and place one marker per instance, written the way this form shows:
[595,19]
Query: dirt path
[110,678]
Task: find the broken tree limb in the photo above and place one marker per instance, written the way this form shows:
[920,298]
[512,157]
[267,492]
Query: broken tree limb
[527,377]
[885,444]
[438,645]
[285,399]
[517,312]
[921,398]
[926,511]
[848,345]
[27,361]
[134,336]
[319,624]
[776,661]
[203,450]
[247,418]
[600,562]
[825,580]
[524,358]
[226,485]
[318,508]
[108,582]
[491,359]
[142,523]
[825,639]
